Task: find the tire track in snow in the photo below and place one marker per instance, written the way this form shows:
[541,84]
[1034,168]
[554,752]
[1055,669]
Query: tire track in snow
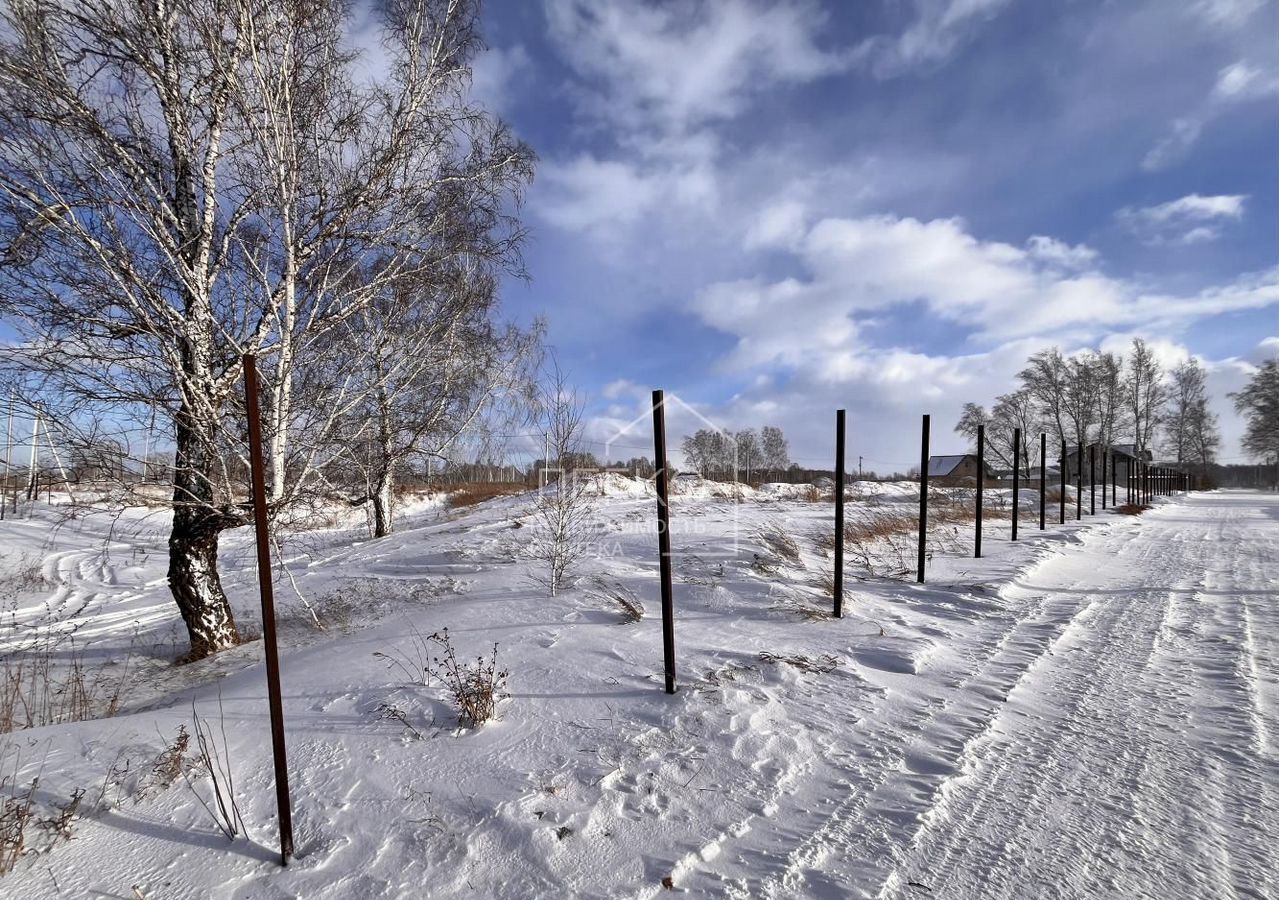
[1123,766]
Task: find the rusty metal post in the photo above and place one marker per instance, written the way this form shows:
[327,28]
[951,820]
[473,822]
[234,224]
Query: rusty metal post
[981,485]
[260,524]
[1016,479]
[1043,475]
[923,499]
[664,539]
[839,513]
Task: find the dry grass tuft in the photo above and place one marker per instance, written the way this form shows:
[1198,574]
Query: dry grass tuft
[823,664]
[38,689]
[779,543]
[628,604]
[473,492]
[796,606]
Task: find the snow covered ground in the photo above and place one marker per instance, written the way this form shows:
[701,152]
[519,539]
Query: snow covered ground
[1090,712]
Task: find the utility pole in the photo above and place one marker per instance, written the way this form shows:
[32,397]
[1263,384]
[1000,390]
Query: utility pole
[33,472]
[859,468]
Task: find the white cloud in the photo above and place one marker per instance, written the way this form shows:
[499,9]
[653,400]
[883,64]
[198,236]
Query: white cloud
[1173,146]
[495,74]
[1241,81]
[1051,251]
[1227,13]
[659,81]
[1191,219]
[1236,83]
[860,269]
[684,64]
[780,224]
[939,29]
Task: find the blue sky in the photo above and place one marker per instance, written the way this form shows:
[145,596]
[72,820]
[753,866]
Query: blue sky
[775,209]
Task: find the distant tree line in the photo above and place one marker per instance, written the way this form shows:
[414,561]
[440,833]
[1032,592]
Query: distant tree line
[1105,398]
[745,454]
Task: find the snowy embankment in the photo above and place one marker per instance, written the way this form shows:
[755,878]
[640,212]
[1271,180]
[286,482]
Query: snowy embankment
[1088,712]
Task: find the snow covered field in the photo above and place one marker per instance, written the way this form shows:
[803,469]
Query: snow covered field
[1090,712]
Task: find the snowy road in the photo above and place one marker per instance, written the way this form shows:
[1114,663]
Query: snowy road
[1135,756]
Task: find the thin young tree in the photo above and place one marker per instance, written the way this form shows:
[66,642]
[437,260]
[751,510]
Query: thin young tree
[1144,395]
[1108,379]
[429,362]
[563,509]
[1188,423]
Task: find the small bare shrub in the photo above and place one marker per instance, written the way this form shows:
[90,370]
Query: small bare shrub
[172,761]
[26,573]
[62,822]
[16,814]
[475,689]
[392,713]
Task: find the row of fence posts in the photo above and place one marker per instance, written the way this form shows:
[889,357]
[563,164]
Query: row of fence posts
[1142,484]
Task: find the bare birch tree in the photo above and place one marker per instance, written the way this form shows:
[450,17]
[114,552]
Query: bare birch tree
[1045,378]
[183,181]
[1014,410]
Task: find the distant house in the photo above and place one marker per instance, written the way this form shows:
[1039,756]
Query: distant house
[962,466]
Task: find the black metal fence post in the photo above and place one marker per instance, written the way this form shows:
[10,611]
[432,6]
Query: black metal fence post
[839,513]
[1079,483]
[1016,478]
[981,485]
[1105,463]
[1043,475]
[274,701]
[664,539]
[1062,498]
[1114,479]
[1092,479]
[923,499]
